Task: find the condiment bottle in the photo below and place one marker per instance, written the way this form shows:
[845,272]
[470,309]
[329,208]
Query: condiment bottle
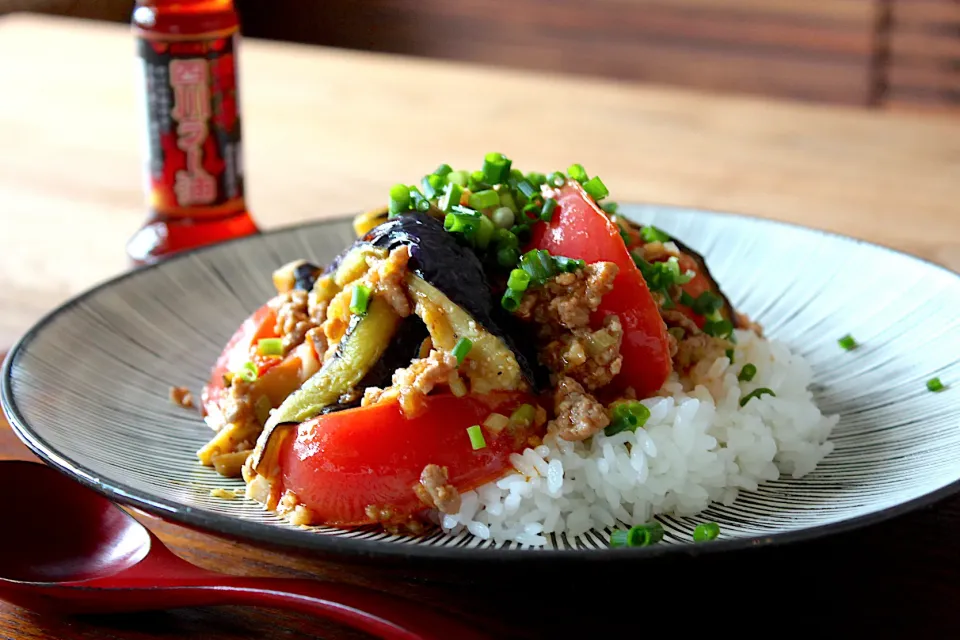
[187,71]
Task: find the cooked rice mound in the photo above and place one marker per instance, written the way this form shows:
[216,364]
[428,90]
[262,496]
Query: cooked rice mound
[699,446]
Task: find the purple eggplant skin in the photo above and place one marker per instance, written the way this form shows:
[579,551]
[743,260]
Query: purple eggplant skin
[305,275]
[456,271]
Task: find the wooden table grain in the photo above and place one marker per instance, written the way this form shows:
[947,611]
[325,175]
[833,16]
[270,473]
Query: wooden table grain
[327,132]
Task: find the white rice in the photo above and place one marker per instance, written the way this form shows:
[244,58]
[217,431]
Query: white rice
[699,446]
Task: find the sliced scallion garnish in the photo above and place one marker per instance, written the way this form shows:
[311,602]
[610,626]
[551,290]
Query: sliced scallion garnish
[847,343]
[747,373]
[360,299]
[653,234]
[270,347]
[706,531]
[578,173]
[461,349]
[595,187]
[477,441]
[756,393]
[934,384]
[642,535]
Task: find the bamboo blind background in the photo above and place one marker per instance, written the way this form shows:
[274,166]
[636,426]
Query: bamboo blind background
[901,54]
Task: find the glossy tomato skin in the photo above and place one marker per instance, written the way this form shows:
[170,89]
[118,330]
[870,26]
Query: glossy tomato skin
[341,463]
[580,229]
[241,347]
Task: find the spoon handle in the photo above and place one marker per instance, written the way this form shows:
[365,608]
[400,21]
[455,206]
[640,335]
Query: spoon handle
[373,612]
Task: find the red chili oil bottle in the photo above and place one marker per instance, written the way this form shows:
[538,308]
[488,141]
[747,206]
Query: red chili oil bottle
[187,56]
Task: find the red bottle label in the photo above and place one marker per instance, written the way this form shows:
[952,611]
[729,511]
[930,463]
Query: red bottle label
[194,152]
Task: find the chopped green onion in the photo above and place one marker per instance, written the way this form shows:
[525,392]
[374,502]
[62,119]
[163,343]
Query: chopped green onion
[461,349]
[530,213]
[420,203]
[747,373]
[539,264]
[451,197]
[523,234]
[718,328]
[578,173]
[546,214]
[557,179]
[432,186]
[524,415]
[507,257]
[484,232]
[262,408]
[515,176]
[475,181]
[527,189]
[595,187]
[934,384]
[503,218]
[756,393]
[506,238]
[625,237]
[484,199]
[360,299]
[248,372]
[399,199]
[536,178]
[662,276]
[511,299]
[653,234]
[461,223]
[627,416]
[847,343]
[270,347]
[477,440]
[518,280]
[443,170]
[496,168]
[506,200]
[610,207]
[705,304]
[677,332]
[568,265]
[729,353]
[460,178]
[642,535]
[706,532]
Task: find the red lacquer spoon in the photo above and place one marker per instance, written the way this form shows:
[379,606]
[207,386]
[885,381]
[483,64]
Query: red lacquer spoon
[66,549]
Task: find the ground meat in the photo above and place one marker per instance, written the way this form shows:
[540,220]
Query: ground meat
[579,415]
[674,318]
[396,525]
[388,279]
[416,381]
[568,299]
[237,406]
[293,318]
[181,396]
[318,339]
[592,358]
[434,490]
[658,251]
[694,349]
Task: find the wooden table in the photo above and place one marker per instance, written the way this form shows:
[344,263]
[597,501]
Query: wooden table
[327,132]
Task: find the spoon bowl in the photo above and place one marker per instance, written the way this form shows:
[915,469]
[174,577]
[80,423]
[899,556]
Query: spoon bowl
[64,537]
[68,549]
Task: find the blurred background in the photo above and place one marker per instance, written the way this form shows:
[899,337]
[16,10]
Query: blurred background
[885,54]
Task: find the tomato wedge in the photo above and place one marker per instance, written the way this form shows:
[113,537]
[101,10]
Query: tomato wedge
[341,463]
[241,348]
[580,229]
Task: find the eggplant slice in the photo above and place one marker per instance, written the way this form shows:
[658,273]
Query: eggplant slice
[726,310]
